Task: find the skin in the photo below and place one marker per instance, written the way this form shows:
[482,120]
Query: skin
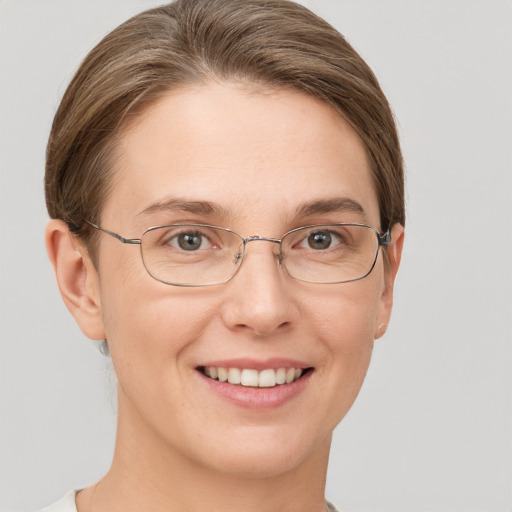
[259,155]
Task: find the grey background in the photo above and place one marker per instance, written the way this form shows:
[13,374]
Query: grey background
[431,430]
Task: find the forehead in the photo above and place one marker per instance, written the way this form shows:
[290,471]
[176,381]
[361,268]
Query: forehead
[258,153]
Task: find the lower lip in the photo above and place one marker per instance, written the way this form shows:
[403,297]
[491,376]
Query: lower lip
[257,398]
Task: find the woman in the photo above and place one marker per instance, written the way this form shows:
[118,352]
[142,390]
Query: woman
[226,191]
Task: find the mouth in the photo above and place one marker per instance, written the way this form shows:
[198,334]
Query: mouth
[249,377]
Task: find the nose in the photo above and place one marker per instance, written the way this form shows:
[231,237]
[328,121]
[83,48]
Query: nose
[260,296]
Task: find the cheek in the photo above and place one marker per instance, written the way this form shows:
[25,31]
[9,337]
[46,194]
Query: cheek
[344,324]
[346,316]
[146,320]
[153,324]
[151,337]
[347,335]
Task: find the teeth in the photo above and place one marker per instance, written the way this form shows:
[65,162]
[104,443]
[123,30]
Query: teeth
[249,378]
[222,374]
[234,376]
[267,379]
[252,378]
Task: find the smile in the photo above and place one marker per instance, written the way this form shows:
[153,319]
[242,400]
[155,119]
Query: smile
[248,377]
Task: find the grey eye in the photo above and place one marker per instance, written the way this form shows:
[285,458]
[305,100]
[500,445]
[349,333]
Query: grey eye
[320,240]
[190,241]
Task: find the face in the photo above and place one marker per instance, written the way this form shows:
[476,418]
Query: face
[249,161]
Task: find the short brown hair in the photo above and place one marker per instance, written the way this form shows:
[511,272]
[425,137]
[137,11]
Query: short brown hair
[274,43]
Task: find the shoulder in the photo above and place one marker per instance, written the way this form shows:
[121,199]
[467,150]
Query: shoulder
[66,504]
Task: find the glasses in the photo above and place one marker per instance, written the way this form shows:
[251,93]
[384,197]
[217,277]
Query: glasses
[204,255]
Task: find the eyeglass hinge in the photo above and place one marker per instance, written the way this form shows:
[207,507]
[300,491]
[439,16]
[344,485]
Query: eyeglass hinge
[385,238]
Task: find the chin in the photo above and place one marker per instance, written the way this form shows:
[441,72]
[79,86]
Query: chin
[267,453]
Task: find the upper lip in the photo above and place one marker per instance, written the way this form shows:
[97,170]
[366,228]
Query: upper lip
[253,364]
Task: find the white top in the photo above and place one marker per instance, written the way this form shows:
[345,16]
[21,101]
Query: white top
[67,504]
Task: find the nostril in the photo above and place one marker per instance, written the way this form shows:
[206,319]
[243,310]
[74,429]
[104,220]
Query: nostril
[266,330]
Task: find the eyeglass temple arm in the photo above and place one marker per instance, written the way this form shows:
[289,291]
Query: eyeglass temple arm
[115,235]
[385,238]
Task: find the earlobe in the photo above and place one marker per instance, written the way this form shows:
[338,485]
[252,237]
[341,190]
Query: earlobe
[76,277]
[394,252]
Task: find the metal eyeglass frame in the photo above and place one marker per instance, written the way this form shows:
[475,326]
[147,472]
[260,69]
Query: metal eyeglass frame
[382,238]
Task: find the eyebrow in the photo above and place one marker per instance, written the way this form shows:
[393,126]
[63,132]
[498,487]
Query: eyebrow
[334,205]
[180,205]
[208,208]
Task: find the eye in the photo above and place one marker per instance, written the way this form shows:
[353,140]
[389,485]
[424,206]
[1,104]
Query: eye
[189,241]
[320,240]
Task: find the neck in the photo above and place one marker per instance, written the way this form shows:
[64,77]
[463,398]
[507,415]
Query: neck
[146,474]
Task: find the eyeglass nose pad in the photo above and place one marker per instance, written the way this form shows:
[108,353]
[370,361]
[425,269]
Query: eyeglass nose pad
[237,258]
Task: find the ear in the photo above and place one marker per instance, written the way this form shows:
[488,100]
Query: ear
[77,278]
[394,252]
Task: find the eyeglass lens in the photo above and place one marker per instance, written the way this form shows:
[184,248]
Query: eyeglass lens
[195,254]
